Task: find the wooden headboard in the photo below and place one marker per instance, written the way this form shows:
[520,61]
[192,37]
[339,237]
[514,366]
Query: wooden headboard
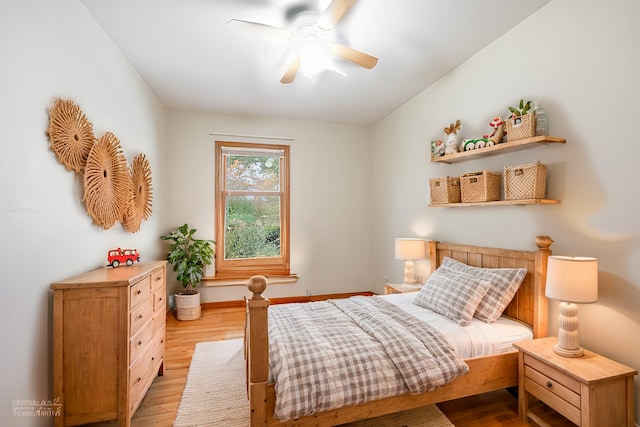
[529,305]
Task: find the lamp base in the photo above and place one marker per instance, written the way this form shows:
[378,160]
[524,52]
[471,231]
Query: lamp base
[568,344]
[568,352]
[409,273]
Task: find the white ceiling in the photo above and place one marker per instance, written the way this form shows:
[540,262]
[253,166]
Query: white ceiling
[192,60]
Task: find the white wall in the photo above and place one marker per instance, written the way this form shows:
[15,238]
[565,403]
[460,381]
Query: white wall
[48,50]
[580,59]
[330,196]
[350,199]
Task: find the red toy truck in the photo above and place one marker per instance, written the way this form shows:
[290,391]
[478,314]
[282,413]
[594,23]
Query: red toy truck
[115,257]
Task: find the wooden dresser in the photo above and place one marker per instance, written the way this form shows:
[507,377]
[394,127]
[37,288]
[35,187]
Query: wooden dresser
[108,341]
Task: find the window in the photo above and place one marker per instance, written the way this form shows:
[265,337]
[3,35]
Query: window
[252,209]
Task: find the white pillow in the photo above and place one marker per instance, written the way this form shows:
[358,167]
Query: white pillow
[452,294]
[504,285]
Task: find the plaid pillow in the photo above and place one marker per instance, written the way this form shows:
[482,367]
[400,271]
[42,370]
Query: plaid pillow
[504,285]
[452,294]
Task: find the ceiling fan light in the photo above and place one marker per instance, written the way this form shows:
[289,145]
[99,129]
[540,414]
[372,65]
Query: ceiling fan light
[314,59]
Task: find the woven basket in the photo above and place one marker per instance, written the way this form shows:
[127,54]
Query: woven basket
[521,127]
[525,181]
[445,190]
[483,186]
[188,306]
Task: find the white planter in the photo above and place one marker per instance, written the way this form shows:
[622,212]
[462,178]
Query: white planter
[188,306]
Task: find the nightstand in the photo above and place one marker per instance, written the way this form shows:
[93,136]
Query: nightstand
[400,288]
[590,391]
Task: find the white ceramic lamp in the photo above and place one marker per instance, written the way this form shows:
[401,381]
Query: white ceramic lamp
[410,250]
[571,280]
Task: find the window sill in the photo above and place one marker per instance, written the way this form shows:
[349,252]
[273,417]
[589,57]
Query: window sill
[242,281]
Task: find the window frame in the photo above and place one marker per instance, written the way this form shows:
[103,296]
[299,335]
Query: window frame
[244,268]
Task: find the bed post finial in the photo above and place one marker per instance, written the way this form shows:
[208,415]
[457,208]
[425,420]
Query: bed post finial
[257,285]
[543,242]
[541,304]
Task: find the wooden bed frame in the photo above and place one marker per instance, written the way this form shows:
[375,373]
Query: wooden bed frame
[485,374]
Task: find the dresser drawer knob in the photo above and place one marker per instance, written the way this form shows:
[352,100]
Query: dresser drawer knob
[139,342]
[139,292]
[139,379]
[549,384]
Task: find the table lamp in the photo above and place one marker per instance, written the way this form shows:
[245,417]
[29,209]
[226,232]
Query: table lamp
[571,280]
[410,250]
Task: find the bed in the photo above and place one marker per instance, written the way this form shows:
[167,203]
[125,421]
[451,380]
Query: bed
[485,373]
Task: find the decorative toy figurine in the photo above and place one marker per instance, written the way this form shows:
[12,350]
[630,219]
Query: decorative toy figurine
[437,149]
[115,257]
[487,140]
[498,131]
[453,139]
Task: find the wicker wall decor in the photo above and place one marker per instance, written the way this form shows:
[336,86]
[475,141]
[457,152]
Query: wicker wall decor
[107,183]
[140,205]
[70,134]
[112,192]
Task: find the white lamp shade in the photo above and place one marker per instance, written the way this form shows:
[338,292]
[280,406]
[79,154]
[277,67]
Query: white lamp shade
[572,279]
[409,249]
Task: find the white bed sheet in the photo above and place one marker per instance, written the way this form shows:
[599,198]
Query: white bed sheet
[474,340]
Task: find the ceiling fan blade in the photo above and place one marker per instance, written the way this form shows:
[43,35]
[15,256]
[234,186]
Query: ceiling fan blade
[256,27]
[290,75]
[334,12]
[352,55]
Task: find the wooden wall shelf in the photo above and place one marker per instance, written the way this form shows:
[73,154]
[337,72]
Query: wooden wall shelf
[516,145]
[497,202]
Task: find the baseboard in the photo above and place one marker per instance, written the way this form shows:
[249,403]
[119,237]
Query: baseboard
[286,300]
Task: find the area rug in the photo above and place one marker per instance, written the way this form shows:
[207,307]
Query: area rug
[215,394]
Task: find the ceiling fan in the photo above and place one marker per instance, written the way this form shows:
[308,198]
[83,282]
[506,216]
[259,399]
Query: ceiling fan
[311,40]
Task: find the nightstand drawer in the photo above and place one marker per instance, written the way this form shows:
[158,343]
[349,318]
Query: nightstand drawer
[554,401]
[553,393]
[549,385]
[552,375]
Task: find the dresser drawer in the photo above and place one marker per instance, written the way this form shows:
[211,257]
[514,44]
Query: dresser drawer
[140,291]
[141,376]
[159,303]
[159,321]
[140,342]
[157,280]
[158,347]
[141,315]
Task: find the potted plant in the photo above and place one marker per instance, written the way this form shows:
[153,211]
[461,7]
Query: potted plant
[521,124]
[188,256]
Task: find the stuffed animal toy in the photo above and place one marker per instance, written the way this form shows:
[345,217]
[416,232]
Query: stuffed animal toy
[453,139]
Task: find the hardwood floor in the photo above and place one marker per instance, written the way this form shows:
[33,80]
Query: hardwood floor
[161,402]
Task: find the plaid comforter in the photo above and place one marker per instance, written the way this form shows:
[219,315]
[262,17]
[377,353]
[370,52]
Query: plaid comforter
[335,353]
